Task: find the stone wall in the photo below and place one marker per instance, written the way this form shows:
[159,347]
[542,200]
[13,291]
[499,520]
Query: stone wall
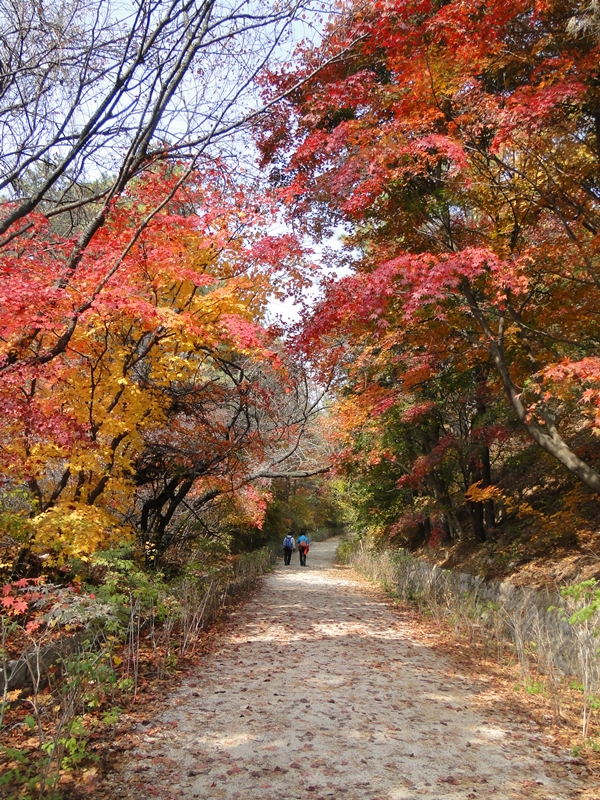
[535,620]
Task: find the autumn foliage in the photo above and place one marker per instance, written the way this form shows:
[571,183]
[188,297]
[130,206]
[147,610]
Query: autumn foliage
[170,390]
[458,143]
[155,422]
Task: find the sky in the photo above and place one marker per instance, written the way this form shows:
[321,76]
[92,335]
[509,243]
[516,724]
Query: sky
[289,312]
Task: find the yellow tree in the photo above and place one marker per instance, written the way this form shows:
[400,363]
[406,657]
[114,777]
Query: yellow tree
[170,390]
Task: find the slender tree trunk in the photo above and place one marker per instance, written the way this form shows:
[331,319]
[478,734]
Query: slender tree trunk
[427,528]
[475,507]
[477,521]
[445,526]
[486,480]
[423,532]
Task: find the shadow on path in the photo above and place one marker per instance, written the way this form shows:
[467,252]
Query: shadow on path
[322,689]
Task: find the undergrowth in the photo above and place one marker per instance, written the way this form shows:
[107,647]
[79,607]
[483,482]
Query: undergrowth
[73,656]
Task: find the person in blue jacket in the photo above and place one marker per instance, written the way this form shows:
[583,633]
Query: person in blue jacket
[303,544]
[288,548]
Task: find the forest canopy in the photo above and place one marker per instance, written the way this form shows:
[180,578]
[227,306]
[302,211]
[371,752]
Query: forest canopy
[141,381]
[457,144]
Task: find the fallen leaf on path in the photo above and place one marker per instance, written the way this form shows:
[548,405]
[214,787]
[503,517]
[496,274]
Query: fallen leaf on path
[450,779]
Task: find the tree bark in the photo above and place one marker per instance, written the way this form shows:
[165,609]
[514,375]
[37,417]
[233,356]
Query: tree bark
[486,480]
[477,521]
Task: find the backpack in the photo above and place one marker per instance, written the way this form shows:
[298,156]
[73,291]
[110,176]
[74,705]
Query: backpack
[288,542]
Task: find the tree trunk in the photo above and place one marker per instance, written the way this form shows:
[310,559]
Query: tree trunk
[549,439]
[477,521]
[423,532]
[445,526]
[486,480]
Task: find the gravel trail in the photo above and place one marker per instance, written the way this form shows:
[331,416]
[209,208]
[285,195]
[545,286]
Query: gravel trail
[322,689]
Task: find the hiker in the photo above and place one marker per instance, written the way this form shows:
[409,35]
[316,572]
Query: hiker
[288,548]
[303,545]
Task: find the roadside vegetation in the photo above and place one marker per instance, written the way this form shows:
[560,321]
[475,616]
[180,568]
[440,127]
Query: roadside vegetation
[88,640]
[548,642]
[77,653]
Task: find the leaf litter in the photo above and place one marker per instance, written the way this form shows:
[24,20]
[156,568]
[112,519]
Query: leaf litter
[319,687]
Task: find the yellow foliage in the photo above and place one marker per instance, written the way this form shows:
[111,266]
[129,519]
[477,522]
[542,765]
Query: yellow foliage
[184,304]
[477,493]
[75,531]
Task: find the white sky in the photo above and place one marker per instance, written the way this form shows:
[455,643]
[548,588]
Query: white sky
[287,310]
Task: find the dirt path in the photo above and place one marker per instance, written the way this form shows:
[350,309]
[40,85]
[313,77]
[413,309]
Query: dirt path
[321,690]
